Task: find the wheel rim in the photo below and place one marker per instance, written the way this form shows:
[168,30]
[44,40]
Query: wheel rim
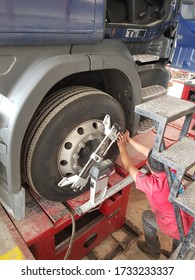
[78,146]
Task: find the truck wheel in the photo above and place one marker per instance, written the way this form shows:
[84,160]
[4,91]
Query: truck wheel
[65,130]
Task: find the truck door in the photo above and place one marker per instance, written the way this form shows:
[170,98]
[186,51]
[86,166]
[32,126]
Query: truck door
[184,55]
[49,21]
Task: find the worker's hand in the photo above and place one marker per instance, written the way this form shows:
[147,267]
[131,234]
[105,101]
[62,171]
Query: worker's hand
[122,140]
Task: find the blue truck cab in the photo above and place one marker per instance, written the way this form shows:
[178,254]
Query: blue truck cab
[64,65]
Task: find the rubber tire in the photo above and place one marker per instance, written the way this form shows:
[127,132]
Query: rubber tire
[72,106]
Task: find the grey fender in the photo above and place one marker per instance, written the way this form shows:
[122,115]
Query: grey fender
[23,101]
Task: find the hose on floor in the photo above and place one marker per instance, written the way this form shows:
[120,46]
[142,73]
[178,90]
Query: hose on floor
[73,230]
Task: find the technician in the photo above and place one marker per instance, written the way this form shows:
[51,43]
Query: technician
[155,186]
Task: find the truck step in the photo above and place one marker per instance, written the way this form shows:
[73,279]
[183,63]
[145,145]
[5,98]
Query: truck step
[180,156]
[166,108]
[186,200]
[145,126]
[149,93]
[144,58]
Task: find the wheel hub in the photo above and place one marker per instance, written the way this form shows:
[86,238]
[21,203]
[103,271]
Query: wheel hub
[85,152]
[78,146]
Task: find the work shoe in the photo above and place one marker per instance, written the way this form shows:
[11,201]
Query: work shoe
[142,245]
[165,253]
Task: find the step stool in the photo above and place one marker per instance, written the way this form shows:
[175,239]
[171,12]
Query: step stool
[180,156]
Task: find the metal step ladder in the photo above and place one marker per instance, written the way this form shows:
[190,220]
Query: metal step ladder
[180,157]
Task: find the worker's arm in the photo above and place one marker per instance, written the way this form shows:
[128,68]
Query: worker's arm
[141,148]
[127,162]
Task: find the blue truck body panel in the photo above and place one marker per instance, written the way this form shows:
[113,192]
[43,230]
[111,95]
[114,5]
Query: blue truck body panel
[51,21]
[184,55]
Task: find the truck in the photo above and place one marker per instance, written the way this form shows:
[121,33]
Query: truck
[64,65]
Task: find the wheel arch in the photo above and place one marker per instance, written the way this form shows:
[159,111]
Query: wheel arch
[26,100]
[45,77]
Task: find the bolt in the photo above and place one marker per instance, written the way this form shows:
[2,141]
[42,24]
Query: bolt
[75,156]
[75,166]
[91,137]
[82,144]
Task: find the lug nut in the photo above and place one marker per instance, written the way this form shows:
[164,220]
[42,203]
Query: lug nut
[91,137]
[75,156]
[75,166]
[82,145]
